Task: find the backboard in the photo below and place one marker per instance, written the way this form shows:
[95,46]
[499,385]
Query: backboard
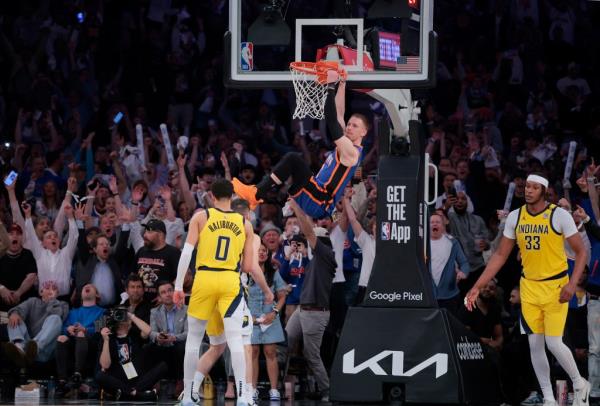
[396,37]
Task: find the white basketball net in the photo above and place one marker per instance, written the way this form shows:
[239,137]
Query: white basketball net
[310,95]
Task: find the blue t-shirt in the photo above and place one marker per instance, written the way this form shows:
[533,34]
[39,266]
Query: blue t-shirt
[86,316]
[292,272]
[352,256]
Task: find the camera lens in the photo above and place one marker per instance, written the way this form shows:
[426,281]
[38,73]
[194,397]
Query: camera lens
[120,315]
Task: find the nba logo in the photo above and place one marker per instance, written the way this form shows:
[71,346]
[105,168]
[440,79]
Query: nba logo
[385,231]
[247,53]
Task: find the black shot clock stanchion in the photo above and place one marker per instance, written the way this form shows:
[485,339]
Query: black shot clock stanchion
[397,344]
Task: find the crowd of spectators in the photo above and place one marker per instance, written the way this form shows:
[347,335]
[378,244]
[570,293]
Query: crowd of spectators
[93,221]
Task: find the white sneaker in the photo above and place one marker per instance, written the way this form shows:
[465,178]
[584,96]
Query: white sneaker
[188,402]
[274,395]
[255,395]
[534,399]
[582,396]
[191,400]
[248,395]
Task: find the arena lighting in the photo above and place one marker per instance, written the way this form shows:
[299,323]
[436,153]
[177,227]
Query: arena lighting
[390,9]
[270,28]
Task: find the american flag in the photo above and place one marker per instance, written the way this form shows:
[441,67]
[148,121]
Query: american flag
[408,64]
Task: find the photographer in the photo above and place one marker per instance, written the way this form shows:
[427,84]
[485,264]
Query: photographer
[123,370]
[72,349]
[169,331]
[292,271]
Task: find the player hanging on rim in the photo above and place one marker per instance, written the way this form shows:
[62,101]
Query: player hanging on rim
[539,229]
[317,195]
[225,236]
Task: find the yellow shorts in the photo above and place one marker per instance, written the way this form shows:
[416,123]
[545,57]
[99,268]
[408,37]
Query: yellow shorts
[215,290]
[215,329]
[541,310]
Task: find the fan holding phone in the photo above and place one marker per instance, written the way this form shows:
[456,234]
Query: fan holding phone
[452,187]
[11,178]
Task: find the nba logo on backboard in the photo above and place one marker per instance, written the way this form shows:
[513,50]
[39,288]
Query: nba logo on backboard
[385,231]
[247,53]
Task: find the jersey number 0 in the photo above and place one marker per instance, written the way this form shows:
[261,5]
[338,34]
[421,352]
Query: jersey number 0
[222,248]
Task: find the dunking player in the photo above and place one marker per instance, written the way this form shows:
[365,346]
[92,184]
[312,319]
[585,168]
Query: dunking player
[317,195]
[223,235]
[539,230]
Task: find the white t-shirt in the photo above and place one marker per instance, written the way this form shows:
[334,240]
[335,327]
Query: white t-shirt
[103,280]
[366,242]
[440,252]
[338,238]
[561,222]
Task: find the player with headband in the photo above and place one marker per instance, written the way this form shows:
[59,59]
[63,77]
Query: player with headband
[539,229]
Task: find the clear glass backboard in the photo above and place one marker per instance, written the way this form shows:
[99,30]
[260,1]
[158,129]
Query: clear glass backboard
[396,38]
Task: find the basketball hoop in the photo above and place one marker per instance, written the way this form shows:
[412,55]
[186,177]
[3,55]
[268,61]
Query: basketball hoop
[310,85]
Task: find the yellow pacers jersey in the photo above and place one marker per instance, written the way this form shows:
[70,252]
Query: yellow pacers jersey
[221,241]
[542,248]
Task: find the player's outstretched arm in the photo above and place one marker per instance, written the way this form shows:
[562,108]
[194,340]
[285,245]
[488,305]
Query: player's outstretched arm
[335,107]
[496,261]
[186,255]
[306,224]
[340,103]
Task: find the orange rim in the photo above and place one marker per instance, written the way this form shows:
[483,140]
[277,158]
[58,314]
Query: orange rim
[319,69]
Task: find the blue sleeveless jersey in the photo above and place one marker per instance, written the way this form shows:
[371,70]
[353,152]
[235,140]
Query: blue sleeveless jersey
[323,191]
[334,176]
